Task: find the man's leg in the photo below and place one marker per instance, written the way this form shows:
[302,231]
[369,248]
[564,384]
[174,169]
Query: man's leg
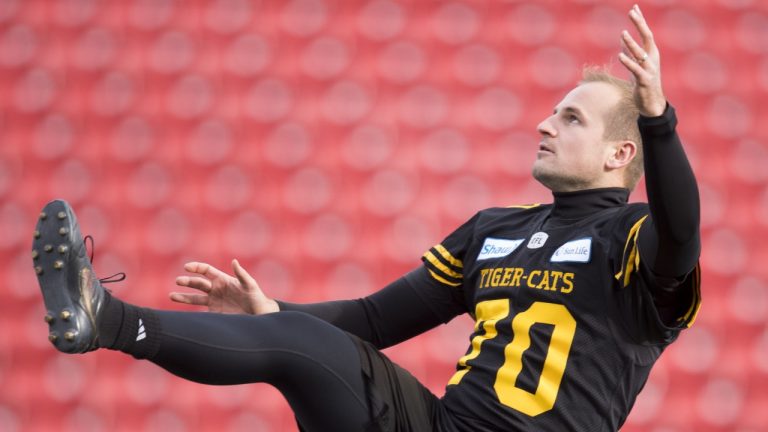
[315,365]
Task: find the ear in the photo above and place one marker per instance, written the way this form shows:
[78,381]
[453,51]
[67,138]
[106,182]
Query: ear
[621,154]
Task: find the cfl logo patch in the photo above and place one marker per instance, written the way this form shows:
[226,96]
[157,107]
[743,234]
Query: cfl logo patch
[538,240]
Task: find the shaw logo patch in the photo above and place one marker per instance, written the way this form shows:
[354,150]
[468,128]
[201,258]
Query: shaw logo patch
[537,240]
[497,248]
[574,251]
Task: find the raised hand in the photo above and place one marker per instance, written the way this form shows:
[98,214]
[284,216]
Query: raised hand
[223,293]
[643,61]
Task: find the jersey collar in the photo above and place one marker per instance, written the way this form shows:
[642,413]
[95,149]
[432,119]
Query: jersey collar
[578,204]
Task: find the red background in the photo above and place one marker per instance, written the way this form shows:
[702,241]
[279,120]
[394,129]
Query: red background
[327,144]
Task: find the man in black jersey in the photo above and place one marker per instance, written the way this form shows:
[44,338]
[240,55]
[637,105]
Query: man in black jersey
[574,301]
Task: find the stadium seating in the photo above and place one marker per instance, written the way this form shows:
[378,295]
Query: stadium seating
[327,144]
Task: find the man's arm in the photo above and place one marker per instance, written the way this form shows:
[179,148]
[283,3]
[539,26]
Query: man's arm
[403,309]
[422,299]
[670,241]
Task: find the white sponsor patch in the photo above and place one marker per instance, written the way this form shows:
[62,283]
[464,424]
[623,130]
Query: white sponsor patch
[538,240]
[574,251]
[497,248]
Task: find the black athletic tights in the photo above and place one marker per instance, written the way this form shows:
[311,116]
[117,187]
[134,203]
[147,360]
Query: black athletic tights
[313,364]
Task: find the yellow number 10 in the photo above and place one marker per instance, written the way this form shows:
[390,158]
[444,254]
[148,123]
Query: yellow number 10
[488,313]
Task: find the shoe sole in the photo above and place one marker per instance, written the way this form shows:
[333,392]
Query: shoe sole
[69,323]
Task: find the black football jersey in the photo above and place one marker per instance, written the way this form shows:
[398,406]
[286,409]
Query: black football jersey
[566,330]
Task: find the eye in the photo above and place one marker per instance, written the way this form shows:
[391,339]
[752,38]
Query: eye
[573,118]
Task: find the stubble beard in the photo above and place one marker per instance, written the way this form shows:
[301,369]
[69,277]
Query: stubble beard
[557,181]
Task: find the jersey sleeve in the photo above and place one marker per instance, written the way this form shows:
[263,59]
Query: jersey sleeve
[407,307]
[445,260]
[658,306]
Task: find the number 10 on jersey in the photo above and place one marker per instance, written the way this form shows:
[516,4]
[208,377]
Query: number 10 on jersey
[488,314]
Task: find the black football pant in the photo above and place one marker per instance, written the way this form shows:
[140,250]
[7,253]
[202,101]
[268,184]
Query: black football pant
[313,364]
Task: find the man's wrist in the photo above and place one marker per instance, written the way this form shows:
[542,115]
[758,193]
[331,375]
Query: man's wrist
[659,125]
[270,306]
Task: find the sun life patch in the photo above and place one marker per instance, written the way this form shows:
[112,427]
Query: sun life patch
[574,251]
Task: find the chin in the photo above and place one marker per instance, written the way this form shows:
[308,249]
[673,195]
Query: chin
[548,179]
[556,181]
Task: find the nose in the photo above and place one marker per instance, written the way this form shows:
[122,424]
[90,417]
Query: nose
[545,128]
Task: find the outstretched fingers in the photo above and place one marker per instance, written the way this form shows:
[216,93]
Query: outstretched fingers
[195,282]
[637,18]
[643,56]
[633,48]
[643,60]
[205,269]
[246,280]
[635,67]
[190,299]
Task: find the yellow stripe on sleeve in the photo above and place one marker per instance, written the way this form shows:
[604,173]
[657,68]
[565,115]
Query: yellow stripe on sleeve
[525,207]
[690,316]
[429,256]
[441,279]
[448,257]
[632,262]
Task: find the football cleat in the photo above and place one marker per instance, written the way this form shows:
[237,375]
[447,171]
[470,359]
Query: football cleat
[71,291]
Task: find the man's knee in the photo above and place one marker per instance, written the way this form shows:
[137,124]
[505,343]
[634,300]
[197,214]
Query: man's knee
[302,332]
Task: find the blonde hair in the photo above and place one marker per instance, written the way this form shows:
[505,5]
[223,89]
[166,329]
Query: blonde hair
[621,121]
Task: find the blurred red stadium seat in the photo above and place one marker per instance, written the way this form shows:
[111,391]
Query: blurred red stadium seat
[381,20]
[349,137]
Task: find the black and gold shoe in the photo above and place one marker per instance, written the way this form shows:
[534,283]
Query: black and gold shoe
[72,293]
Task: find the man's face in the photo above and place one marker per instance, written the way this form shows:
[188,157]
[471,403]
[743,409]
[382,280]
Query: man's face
[572,152]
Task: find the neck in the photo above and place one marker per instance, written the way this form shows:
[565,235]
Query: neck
[578,204]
